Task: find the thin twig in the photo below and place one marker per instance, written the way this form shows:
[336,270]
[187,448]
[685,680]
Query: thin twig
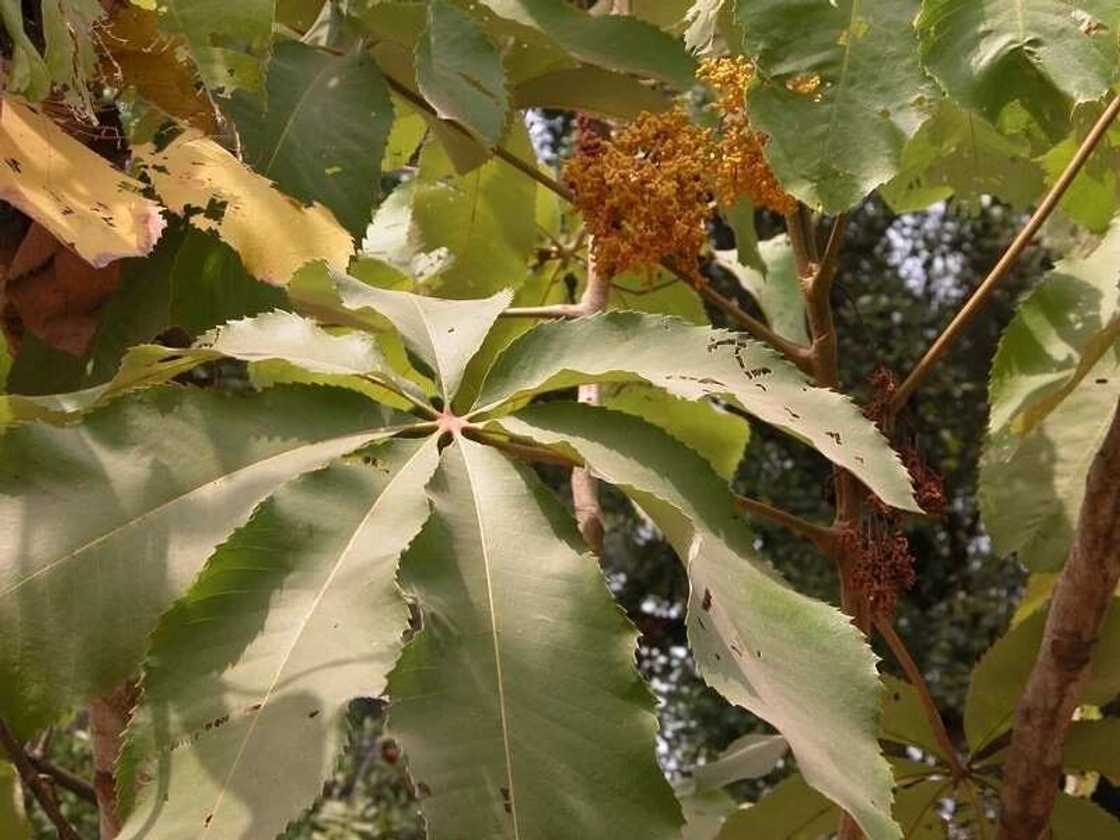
[65,779]
[35,784]
[980,297]
[914,674]
[821,536]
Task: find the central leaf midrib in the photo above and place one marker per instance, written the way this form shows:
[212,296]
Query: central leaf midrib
[143,517]
[298,636]
[494,636]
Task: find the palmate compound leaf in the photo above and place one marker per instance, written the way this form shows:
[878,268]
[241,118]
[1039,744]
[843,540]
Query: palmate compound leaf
[1054,387]
[695,362]
[107,522]
[841,92]
[248,675]
[794,661]
[443,334]
[519,704]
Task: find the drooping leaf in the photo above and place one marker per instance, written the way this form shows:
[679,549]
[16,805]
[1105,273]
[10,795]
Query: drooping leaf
[176,472]
[1054,387]
[989,54]
[28,75]
[915,808]
[592,90]
[740,218]
[294,616]
[958,154]
[228,41]
[1032,488]
[704,813]
[443,334]
[394,238]
[99,214]
[796,662]
[484,219]
[777,291]
[321,134]
[520,631]
[718,435]
[140,367]
[459,71]
[197,178]
[659,293]
[1093,197]
[1091,745]
[1077,819]
[841,92]
[747,757]
[696,362]
[68,33]
[791,811]
[998,679]
[614,42]
[904,721]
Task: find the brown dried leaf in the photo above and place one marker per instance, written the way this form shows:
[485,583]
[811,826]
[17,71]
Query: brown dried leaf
[55,293]
[273,233]
[157,66]
[92,208]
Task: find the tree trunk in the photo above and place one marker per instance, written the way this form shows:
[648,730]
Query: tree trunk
[1078,608]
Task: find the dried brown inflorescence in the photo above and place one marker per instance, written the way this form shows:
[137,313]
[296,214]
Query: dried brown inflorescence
[884,565]
[645,190]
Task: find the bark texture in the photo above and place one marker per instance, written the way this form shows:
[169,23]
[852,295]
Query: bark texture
[1081,599]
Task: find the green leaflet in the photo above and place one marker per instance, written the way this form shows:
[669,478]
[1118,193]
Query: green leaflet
[294,616]
[322,132]
[444,334]
[904,721]
[704,813]
[1001,674]
[68,59]
[695,362]
[1091,745]
[230,42]
[1080,819]
[776,290]
[791,811]
[614,42]
[108,521]
[718,435]
[28,75]
[958,153]
[832,147]
[459,72]
[915,808]
[142,366]
[284,335]
[521,635]
[1040,53]
[748,757]
[796,662]
[592,90]
[740,218]
[1054,386]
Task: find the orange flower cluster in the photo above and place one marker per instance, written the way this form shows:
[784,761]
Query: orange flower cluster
[644,191]
[741,165]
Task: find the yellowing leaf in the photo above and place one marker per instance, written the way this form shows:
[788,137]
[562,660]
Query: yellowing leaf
[94,209]
[273,233]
